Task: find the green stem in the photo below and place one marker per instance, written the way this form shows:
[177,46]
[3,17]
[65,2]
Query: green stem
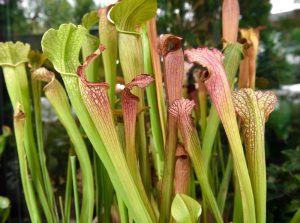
[63,217]
[222,194]
[32,205]
[156,128]
[168,179]
[122,210]
[68,193]
[75,188]
[237,209]
[36,92]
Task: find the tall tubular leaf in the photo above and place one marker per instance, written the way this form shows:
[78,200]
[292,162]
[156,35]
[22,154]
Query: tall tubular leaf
[233,54]
[108,37]
[62,47]
[217,85]
[181,110]
[171,50]
[30,198]
[13,57]
[97,103]
[126,15]
[254,108]
[129,110]
[230,20]
[59,101]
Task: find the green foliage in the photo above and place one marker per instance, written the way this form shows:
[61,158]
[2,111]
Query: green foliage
[57,12]
[129,13]
[81,7]
[185,209]
[90,19]
[4,209]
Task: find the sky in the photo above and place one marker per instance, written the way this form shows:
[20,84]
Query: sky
[279,6]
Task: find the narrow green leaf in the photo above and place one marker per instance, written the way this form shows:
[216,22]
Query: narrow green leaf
[185,209]
[75,188]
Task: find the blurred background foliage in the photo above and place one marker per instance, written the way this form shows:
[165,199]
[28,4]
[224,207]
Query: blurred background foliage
[199,23]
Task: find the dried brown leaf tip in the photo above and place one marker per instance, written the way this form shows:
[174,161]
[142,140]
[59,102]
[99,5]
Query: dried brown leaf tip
[230,20]
[169,43]
[250,38]
[19,114]
[42,74]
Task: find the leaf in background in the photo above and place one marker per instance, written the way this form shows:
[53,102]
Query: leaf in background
[58,98]
[6,133]
[129,13]
[4,208]
[13,54]
[185,209]
[36,59]
[90,19]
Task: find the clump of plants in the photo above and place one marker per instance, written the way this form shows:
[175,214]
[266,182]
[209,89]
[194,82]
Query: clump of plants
[142,149]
